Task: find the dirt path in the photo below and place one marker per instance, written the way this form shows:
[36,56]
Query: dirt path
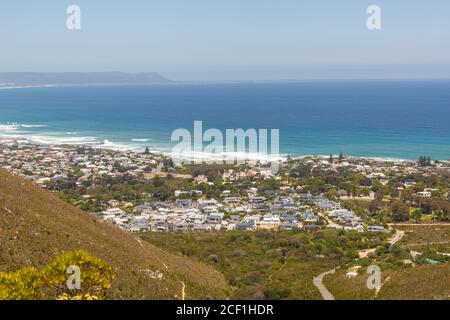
[183,291]
[269,278]
[364,253]
[396,237]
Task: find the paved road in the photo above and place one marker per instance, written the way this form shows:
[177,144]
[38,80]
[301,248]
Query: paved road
[318,282]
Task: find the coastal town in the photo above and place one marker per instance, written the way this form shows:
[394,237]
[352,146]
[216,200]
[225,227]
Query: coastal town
[241,197]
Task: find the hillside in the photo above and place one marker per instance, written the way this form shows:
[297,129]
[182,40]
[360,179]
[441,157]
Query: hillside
[36,226]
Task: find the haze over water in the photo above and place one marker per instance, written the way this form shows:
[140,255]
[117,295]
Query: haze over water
[389,119]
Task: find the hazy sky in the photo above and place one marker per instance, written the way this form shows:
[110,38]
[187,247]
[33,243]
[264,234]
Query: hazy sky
[229,39]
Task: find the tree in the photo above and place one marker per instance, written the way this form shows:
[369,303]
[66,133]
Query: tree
[400,212]
[424,161]
[379,196]
[331,159]
[147,150]
[158,181]
[341,157]
[417,215]
[374,206]
[168,164]
[426,206]
[365,182]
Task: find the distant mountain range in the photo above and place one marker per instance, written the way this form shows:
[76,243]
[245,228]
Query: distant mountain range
[78,78]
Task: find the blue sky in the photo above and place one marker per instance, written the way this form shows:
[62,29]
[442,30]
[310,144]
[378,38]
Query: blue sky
[230,39]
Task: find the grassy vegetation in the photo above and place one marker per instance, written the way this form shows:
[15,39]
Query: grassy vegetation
[427,278]
[419,237]
[424,282]
[268,265]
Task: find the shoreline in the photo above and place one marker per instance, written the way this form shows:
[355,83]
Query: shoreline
[27,87]
[218,157]
[351,157]
[229,82]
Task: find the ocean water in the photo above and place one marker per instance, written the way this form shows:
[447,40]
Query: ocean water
[391,119]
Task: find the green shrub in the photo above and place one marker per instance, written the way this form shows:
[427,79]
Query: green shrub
[51,282]
[20,285]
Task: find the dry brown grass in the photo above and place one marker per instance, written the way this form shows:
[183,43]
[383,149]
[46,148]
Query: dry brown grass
[152,175]
[418,237]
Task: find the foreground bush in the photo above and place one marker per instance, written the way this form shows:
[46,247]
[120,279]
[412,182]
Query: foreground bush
[52,281]
[20,285]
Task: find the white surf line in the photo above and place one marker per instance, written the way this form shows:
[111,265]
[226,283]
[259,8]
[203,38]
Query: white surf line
[27,87]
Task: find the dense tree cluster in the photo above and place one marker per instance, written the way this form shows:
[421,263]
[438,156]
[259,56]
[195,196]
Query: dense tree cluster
[424,161]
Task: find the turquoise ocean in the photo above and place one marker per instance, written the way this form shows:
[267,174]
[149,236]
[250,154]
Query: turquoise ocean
[384,119]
